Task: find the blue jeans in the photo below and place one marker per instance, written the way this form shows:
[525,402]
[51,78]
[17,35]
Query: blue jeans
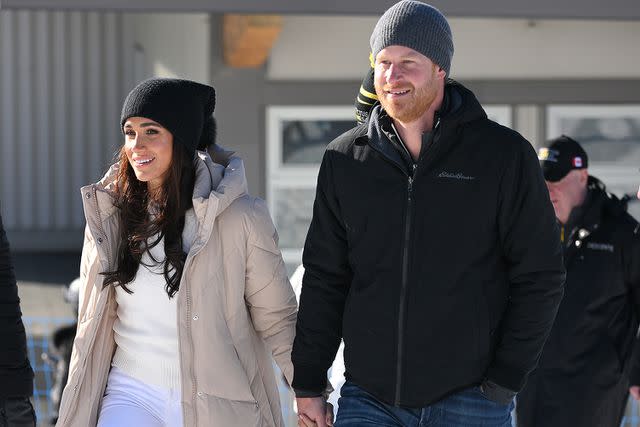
[357,408]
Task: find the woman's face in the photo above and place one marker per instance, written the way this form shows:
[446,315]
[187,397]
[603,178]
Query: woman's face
[149,149]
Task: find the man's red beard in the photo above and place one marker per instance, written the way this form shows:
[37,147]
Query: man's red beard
[410,107]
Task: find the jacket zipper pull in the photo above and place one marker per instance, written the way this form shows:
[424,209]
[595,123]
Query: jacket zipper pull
[410,179]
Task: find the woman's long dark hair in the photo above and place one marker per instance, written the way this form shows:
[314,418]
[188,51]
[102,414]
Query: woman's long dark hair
[145,218]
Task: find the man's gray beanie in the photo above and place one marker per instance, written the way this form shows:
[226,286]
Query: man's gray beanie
[418,26]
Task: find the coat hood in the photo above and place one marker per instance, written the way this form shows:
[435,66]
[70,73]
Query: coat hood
[220,179]
[600,203]
[459,106]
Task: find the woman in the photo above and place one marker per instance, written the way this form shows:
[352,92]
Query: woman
[184,293]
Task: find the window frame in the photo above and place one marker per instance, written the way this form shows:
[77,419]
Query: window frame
[613,173]
[299,176]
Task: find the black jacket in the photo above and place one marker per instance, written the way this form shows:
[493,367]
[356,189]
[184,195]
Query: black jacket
[583,375]
[16,376]
[437,275]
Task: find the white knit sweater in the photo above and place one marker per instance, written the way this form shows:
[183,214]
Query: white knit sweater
[146,330]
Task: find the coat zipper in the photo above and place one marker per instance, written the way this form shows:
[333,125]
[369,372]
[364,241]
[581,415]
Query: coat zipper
[98,242]
[187,290]
[404,284]
[405,255]
[404,269]
[193,376]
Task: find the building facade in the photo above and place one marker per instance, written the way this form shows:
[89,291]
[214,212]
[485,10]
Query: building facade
[64,73]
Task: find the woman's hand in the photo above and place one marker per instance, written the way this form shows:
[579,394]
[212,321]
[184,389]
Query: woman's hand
[314,412]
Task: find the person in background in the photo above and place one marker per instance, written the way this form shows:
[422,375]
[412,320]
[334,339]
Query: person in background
[16,375]
[366,98]
[184,295]
[583,376]
[433,250]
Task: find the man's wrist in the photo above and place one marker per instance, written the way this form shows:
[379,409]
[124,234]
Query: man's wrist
[306,393]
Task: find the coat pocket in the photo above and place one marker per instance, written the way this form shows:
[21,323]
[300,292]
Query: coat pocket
[213,339]
[225,412]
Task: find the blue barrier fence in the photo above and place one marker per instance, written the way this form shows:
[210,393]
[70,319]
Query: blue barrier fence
[40,328]
[38,331]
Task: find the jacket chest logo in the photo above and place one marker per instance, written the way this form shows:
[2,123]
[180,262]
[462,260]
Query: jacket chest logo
[456,175]
[607,247]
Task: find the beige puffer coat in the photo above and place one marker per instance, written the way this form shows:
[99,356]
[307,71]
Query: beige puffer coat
[235,306]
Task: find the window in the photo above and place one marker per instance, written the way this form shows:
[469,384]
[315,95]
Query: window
[297,138]
[610,134]
[499,114]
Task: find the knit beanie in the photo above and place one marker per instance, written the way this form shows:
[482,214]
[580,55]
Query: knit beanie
[183,107]
[418,26]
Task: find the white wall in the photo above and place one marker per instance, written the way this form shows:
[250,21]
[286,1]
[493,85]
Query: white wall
[172,45]
[520,49]
[62,81]
[63,78]
[336,48]
[321,48]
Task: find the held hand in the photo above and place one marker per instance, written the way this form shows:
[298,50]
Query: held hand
[635,392]
[313,412]
[329,414]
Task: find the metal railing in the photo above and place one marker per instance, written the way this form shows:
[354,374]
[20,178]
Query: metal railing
[38,331]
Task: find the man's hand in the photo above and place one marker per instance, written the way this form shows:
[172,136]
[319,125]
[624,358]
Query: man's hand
[314,412]
[634,390]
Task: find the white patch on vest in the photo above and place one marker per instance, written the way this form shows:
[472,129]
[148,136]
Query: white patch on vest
[600,246]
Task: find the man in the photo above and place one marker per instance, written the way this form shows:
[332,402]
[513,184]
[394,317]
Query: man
[583,375]
[433,250]
[16,376]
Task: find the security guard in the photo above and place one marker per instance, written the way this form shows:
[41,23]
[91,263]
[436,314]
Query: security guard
[583,376]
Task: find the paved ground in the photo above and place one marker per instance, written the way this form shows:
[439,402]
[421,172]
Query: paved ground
[41,279]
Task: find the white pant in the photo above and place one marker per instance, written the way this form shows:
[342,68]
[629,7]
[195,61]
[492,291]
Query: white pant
[130,402]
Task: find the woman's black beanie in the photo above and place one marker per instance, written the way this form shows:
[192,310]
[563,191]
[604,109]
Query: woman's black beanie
[183,107]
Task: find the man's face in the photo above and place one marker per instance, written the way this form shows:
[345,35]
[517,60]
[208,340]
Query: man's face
[406,82]
[568,193]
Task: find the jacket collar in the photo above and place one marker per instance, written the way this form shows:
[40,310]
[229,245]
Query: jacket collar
[459,106]
[588,217]
[219,183]
[598,204]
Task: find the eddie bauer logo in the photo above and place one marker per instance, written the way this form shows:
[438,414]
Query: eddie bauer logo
[458,175]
